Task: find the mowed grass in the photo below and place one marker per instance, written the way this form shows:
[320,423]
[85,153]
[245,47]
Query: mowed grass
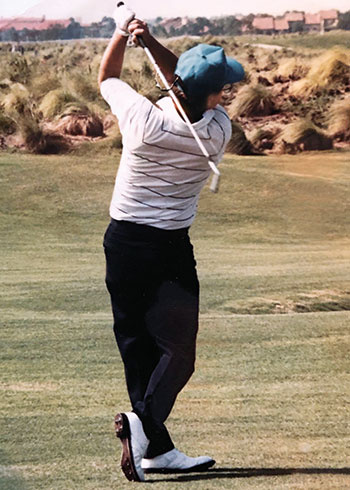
[270,397]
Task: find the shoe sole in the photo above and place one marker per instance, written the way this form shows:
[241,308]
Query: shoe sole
[122,430]
[193,469]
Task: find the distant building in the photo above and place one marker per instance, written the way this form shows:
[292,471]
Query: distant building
[294,16]
[264,24]
[174,23]
[324,20]
[313,22]
[330,19]
[281,25]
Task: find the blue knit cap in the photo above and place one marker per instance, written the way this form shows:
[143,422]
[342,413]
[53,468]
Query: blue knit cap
[205,69]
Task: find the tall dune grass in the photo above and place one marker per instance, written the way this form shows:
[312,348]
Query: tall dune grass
[303,135]
[292,68]
[252,100]
[55,102]
[339,119]
[330,70]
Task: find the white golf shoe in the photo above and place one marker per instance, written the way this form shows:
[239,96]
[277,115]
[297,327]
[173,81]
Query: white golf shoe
[129,430]
[176,462]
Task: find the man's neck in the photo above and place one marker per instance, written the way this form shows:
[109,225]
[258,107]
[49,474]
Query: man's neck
[192,115]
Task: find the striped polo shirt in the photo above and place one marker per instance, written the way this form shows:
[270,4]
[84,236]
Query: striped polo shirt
[162,170]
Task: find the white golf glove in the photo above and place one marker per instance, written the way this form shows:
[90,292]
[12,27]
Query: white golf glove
[122,17]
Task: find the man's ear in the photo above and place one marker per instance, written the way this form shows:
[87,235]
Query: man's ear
[212,99]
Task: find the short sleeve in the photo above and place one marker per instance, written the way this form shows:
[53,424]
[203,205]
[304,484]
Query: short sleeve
[131,109]
[122,99]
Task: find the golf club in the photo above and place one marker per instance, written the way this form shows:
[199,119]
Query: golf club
[214,186]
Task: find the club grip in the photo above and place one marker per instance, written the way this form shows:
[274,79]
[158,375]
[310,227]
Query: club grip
[215,181]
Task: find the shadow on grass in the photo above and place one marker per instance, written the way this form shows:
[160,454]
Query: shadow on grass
[221,473]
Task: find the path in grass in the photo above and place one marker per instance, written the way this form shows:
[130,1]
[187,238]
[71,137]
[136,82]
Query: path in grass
[271,392]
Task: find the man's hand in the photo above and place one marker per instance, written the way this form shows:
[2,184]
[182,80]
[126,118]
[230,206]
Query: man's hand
[138,28]
[122,17]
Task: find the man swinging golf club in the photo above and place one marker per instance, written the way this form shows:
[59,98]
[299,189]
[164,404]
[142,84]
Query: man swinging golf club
[151,271]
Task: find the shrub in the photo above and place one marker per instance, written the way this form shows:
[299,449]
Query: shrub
[18,69]
[75,108]
[331,67]
[43,83]
[267,62]
[55,102]
[326,72]
[5,84]
[79,124]
[238,143]
[253,100]
[265,138]
[339,119]
[303,88]
[36,139]
[83,86]
[303,135]
[291,69]
[32,133]
[7,124]
[143,80]
[17,100]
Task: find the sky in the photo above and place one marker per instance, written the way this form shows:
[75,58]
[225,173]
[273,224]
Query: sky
[204,8]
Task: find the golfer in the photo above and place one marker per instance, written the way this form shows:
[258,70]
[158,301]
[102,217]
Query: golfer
[151,271]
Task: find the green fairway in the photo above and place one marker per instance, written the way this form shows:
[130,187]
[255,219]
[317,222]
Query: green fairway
[270,396]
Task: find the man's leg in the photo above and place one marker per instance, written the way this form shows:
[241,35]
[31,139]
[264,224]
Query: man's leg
[155,305]
[132,281]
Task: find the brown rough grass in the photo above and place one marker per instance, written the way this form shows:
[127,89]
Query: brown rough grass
[303,135]
[81,125]
[252,100]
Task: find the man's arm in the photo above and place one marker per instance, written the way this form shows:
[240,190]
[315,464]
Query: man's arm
[165,58]
[112,61]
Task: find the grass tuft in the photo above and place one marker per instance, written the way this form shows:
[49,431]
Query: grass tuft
[339,119]
[17,100]
[303,135]
[7,124]
[38,140]
[239,144]
[55,102]
[291,69]
[327,71]
[82,124]
[264,138]
[252,100]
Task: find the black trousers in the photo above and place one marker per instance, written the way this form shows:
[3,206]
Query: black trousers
[152,280]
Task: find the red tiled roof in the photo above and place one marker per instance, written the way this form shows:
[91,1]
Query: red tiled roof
[3,23]
[38,24]
[263,23]
[281,24]
[294,16]
[175,22]
[312,19]
[329,14]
